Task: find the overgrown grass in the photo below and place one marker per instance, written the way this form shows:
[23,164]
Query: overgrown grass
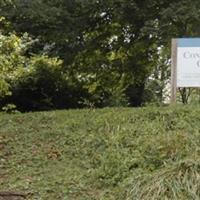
[109,154]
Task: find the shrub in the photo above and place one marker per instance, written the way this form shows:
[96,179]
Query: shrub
[11,60]
[43,85]
[34,82]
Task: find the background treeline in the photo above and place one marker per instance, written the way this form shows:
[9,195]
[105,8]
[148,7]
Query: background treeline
[75,53]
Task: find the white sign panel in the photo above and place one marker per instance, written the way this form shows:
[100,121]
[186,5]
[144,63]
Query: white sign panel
[188,63]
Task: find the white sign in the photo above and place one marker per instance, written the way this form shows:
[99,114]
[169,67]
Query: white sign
[188,63]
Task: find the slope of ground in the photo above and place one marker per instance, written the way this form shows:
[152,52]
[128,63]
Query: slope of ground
[109,154]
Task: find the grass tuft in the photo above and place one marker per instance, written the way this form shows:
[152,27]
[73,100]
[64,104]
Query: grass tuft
[177,181]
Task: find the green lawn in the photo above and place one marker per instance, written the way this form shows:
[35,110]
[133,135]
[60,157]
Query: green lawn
[109,154]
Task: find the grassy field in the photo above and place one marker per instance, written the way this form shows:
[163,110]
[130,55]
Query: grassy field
[109,154]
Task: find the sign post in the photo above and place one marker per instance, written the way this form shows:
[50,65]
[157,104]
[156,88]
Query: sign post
[185,64]
[174,71]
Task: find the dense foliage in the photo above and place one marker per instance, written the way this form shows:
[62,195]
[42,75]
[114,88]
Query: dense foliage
[110,154]
[114,52]
[34,82]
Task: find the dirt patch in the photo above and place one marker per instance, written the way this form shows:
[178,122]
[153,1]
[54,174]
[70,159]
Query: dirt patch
[12,196]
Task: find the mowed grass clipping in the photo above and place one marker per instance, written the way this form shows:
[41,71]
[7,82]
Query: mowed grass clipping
[109,154]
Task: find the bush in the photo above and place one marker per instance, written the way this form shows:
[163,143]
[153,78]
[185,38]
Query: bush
[34,82]
[43,86]
[11,60]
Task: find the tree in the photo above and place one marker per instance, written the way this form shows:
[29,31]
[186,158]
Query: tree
[55,23]
[112,48]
